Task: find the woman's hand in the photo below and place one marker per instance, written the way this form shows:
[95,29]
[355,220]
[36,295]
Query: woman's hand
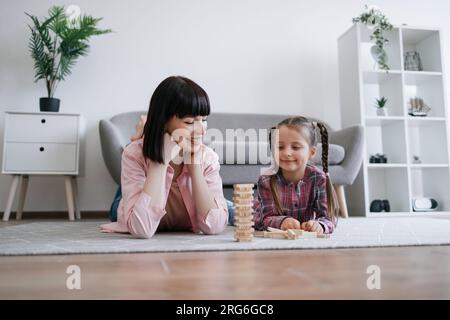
[192,146]
[171,149]
[139,128]
[290,223]
[312,226]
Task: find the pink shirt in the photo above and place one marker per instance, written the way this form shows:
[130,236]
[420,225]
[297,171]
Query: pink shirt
[137,215]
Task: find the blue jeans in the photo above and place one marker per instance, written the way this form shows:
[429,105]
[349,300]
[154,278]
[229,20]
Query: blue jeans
[118,196]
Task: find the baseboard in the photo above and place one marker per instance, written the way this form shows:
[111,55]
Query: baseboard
[58,215]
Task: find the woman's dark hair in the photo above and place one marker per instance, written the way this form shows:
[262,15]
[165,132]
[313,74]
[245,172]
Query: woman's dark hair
[175,96]
[300,123]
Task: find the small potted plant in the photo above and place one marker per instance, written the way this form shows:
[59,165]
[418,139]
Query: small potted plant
[56,43]
[373,18]
[380,104]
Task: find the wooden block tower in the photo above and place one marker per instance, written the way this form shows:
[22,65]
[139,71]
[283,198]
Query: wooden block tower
[243,217]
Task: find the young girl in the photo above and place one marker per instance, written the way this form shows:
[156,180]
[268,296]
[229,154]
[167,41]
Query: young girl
[170,181]
[298,195]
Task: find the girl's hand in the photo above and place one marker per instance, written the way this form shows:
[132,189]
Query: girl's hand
[139,128]
[290,223]
[312,226]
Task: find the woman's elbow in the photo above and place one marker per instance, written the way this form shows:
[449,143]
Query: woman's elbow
[140,229]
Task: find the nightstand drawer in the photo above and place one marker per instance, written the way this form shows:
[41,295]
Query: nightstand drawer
[41,128]
[44,157]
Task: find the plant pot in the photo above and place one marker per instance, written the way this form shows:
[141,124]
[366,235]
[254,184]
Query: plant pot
[49,104]
[382,112]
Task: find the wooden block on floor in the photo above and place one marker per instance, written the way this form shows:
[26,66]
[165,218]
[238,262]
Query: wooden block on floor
[243,238]
[308,234]
[246,232]
[274,229]
[323,236]
[291,235]
[258,234]
[274,235]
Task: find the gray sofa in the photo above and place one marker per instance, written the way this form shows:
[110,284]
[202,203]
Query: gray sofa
[240,164]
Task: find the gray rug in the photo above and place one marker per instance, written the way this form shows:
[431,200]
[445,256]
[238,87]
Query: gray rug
[61,237]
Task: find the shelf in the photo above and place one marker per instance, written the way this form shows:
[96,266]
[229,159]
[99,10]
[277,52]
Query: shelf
[392,48]
[378,84]
[432,183]
[396,134]
[380,76]
[414,78]
[429,88]
[428,141]
[427,44]
[429,165]
[423,121]
[408,214]
[390,184]
[382,121]
[385,165]
[387,137]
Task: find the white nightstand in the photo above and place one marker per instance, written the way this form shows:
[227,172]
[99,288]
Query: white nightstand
[43,143]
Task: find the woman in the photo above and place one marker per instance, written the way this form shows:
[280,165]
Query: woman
[170,180]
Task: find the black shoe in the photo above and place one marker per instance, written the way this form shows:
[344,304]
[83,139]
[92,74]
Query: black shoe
[386,205]
[376,206]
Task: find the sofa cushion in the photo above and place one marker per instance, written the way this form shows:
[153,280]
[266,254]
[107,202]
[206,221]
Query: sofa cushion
[336,154]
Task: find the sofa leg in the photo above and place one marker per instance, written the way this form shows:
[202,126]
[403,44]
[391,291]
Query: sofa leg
[339,189]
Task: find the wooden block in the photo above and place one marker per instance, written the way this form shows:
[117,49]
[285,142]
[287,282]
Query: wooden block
[243,208]
[244,225]
[307,234]
[298,232]
[243,187]
[292,235]
[258,234]
[245,219]
[274,235]
[243,201]
[243,195]
[273,229]
[243,214]
[247,232]
[323,236]
[247,237]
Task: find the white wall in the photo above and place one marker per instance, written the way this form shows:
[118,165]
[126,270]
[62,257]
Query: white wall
[256,56]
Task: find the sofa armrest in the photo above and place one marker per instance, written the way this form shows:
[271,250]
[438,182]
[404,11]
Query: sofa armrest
[351,139]
[112,144]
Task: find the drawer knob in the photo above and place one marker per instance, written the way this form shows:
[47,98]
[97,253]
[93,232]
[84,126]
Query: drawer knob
[42,120]
[41,149]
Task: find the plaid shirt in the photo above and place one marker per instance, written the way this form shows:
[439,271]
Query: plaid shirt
[305,201]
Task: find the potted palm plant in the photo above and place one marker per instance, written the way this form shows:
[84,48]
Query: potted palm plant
[56,43]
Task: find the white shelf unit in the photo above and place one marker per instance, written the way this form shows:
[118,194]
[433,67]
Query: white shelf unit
[398,135]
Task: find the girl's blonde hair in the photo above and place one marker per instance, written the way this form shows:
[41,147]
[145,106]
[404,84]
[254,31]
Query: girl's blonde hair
[300,123]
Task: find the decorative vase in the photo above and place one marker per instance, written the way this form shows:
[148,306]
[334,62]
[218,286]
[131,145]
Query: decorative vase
[412,61]
[49,104]
[381,112]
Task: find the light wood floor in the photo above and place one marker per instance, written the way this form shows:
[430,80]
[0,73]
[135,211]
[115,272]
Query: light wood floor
[406,273]
[409,272]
